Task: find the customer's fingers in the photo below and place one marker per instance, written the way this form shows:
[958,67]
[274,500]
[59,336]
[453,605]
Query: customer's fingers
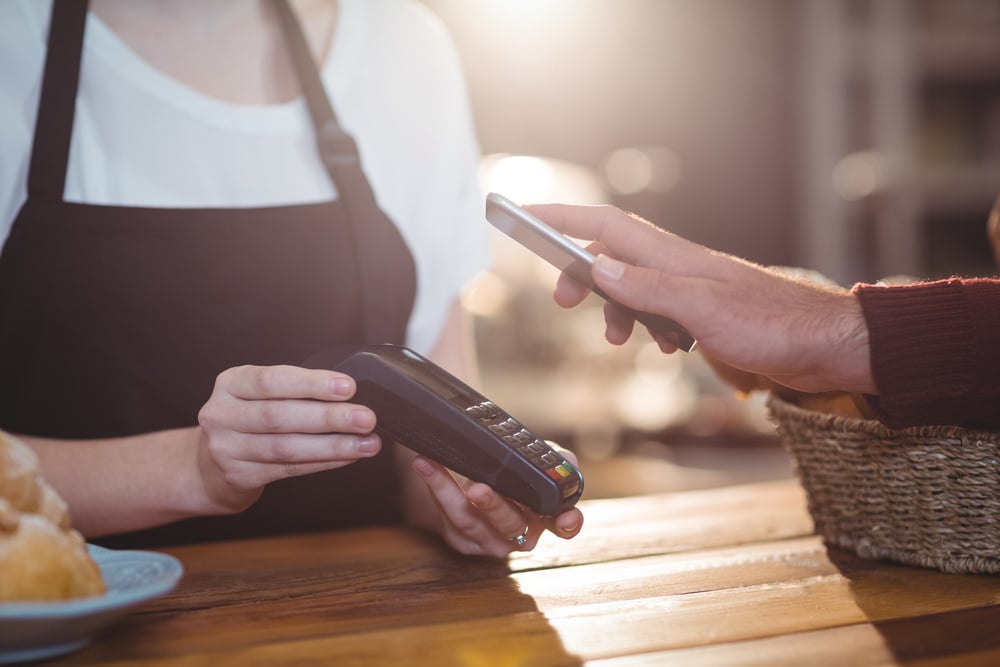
[619,324]
[570,291]
[627,237]
[634,240]
[648,290]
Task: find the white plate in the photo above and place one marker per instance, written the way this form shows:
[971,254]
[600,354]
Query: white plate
[36,630]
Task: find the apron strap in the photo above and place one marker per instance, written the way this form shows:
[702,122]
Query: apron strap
[339,154]
[57,100]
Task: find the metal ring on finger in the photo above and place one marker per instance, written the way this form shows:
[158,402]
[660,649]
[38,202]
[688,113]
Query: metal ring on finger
[522,538]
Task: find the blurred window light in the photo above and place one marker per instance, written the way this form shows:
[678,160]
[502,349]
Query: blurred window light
[486,295]
[860,175]
[667,170]
[530,178]
[599,442]
[518,11]
[629,170]
[634,169]
[584,338]
[647,404]
[654,366]
[521,177]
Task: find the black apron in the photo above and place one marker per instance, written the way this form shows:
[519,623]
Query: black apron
[116,320]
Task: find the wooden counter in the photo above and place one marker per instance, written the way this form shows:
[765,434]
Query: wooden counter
[729,576]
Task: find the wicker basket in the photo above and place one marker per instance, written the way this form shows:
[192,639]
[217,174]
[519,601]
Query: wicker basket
[927,496]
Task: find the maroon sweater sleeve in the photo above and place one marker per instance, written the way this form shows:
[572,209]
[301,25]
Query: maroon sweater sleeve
[935,351]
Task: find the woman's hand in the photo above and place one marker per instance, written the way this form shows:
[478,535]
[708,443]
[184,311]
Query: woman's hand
[475,520]
[808,337]
[264,423]
[471,518]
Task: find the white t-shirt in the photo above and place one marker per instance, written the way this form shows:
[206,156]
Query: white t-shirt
[141,138]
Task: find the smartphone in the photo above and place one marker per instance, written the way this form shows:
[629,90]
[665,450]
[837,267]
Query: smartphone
[571,258]
[423,407]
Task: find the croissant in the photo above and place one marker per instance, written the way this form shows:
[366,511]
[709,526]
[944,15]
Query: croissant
[22,485]
[41,556]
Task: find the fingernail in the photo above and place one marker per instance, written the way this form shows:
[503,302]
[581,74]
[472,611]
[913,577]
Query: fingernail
[341,386]
[369,445]
[423,467]
[571,528]
[363,418]
[609,267]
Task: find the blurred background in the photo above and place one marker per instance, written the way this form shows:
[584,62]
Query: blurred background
[859,138]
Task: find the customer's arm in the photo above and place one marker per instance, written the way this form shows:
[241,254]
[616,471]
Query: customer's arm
[925,353]
[802,335]
[935,351]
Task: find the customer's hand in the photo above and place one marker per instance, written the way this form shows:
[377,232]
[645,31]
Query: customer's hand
[805,336]
[475,520]
[264,423]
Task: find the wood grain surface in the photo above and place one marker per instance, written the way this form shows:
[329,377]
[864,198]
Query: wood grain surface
[730,576]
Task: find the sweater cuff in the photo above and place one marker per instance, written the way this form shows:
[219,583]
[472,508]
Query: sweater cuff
[920,348]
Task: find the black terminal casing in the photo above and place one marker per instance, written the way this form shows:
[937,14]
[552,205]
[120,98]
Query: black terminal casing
[428,410]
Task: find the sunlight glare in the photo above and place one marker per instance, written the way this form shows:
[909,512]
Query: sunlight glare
[530,178]
[527,10]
